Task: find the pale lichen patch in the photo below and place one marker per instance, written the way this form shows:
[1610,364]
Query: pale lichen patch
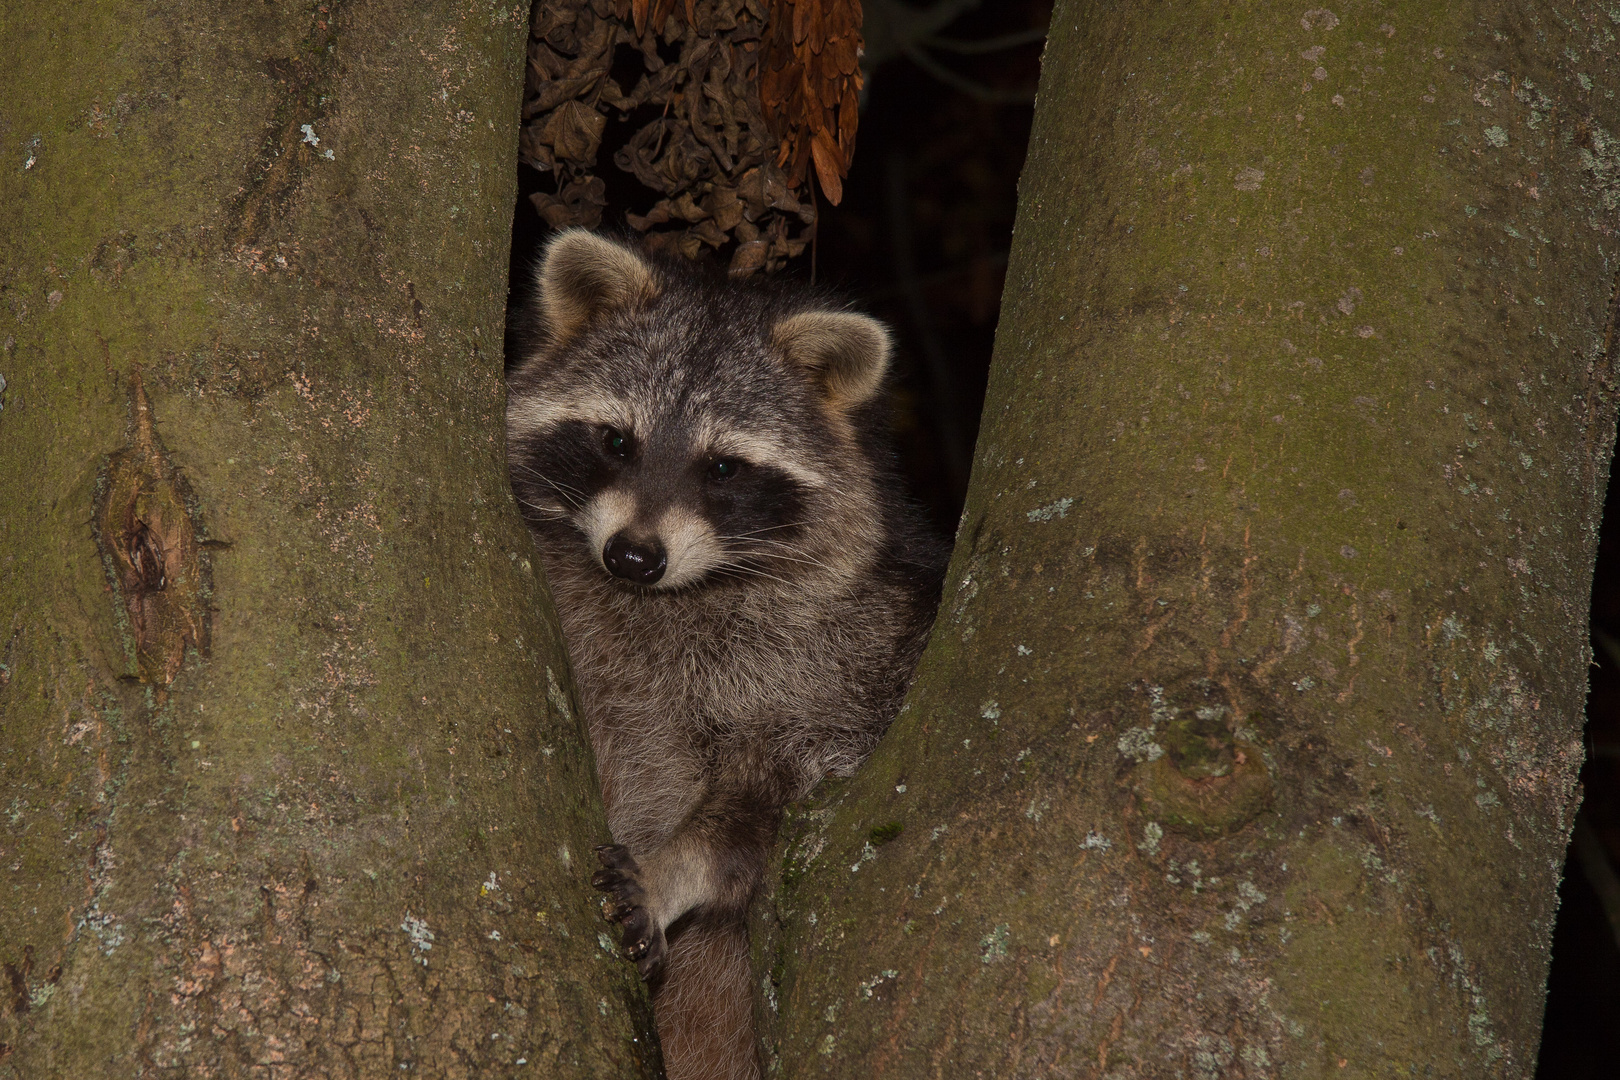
[420,936]
[1058,509]
[993,946]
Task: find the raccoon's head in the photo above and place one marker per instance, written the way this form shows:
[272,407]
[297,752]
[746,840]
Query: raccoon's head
[674,431]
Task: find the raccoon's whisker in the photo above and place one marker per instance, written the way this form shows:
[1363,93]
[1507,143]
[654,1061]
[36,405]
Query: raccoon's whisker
[554,483]
[729,569]
[571,495]
[752,573]
[752,538]
[789,558]
[768,528]
[765,540]
[785,558]
[787,552]
[796,556]
[573,501]
[533,472]
[744,567]
[544,509]
[540,506]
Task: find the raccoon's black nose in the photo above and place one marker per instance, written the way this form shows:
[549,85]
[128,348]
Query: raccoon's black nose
[640,563]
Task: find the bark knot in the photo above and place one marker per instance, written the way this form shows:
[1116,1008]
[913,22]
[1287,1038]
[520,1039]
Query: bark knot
[1209,778]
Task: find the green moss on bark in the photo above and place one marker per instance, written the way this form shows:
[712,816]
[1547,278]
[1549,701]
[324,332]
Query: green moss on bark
[1294,447]
[344,832]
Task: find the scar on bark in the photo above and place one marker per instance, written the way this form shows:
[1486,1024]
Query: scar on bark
[148,536]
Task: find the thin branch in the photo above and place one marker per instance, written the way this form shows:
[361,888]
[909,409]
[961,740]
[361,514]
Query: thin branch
[1605,642]
[987,45]
[891,27]
[977,91]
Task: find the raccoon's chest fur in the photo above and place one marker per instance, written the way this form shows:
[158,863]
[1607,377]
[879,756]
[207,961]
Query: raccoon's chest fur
[677,689]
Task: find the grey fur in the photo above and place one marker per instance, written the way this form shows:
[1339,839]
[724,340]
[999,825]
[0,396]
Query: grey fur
[777,645]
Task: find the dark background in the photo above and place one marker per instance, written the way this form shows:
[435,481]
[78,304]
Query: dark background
[921,241]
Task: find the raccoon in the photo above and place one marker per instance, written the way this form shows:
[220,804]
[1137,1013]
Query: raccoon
[743,591]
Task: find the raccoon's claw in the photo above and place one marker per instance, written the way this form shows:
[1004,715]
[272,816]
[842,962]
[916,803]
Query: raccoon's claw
[616,857]
[643,941]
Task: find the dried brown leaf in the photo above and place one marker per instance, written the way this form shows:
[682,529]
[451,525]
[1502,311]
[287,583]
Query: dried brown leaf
[580,202]
[659,17]
[843,20]
[535,152]
[574,131]
[723,205]
[848,112]
[843,51]
[830,167]
[709,233]
[749,256]
[687,209]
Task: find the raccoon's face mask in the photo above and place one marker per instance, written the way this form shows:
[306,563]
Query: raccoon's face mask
[685,432]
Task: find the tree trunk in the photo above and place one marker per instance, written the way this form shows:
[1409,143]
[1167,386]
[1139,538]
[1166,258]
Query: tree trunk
[1246,742]
[293,784]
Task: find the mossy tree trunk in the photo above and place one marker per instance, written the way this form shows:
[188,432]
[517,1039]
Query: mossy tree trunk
[1246,742]
[291,778]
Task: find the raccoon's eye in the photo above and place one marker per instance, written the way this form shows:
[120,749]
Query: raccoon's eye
[616,442]
[725,469]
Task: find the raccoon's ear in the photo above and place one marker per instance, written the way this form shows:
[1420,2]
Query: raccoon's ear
[847,353]
[583,276]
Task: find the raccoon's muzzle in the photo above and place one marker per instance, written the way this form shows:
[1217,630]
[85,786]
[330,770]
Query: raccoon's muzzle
[641,563]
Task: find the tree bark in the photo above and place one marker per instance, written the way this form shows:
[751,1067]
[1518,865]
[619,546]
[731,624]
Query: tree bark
[1246,742]
[292,779]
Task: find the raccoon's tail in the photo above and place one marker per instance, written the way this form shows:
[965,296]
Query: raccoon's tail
[704,1004]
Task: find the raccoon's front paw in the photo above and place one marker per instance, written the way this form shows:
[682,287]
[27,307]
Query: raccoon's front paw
[643,939]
